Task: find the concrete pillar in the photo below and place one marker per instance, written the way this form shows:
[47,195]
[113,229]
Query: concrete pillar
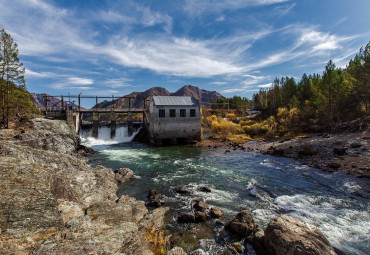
[78,122]
[95,124]
[112,125]
[130,126]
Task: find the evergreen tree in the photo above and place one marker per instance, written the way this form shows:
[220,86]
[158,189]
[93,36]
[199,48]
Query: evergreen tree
[14,98]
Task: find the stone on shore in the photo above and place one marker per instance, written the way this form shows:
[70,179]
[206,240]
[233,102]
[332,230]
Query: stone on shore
[123,175]
[53,202]
[286,235]
[176,251]
[216,212]
[242,224]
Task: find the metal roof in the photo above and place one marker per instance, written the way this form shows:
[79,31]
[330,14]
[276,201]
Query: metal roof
[174,100]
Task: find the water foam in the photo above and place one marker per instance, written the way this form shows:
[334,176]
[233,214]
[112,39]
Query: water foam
[343,226]
[104,138]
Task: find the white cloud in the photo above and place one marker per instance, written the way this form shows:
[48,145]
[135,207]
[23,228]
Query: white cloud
[30,74]
[196,7]
[79,81]
[267,85]
[172,56]
[220,18]
[285,9]
[118,83]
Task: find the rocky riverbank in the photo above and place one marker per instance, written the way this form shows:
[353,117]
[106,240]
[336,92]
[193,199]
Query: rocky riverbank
[53,202]
[346,150]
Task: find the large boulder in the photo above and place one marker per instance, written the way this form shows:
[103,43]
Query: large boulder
[216,212]
[181,189]
[286,235]
[241,224]
[154,198]
[200,205]
[186,218]
[123,175]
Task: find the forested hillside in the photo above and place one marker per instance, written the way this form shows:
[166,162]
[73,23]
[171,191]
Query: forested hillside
[335,96]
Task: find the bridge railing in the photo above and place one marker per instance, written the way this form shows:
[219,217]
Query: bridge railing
[59,103]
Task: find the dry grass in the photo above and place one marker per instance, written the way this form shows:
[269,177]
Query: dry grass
[159,243]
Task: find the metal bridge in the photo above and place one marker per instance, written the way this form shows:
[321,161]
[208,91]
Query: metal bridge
[72,110]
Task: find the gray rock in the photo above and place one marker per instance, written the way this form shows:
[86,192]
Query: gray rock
[241,224]
[204,189]
[286,235]
[176,251]
[340,151]
[186,218]
[181,189]
[123,175]
[216,212]
[200,205]
[53,202]
[200,217]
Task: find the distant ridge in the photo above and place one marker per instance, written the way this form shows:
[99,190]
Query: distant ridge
[204,96]
[39,101]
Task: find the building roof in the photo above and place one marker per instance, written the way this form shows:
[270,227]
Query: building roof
[175,100]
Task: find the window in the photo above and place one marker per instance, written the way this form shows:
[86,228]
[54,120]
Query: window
[182,113]
[162,113]
[192,112]
[172,113]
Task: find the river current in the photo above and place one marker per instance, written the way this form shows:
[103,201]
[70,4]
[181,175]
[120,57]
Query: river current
[269,186]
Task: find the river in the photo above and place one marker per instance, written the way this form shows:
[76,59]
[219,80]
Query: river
[269,186]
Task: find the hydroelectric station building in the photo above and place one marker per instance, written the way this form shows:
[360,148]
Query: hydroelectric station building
[173,120]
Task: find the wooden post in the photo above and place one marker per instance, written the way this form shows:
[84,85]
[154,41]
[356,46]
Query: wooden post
[95,124]
[129,102]
[46,104]
[79,102]
[62,103]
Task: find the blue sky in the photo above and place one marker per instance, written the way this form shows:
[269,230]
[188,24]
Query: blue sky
[234,47]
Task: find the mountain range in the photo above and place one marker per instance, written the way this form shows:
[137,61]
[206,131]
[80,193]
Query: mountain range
[138,98]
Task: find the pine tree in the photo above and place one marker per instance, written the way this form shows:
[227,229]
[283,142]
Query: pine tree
[13,91]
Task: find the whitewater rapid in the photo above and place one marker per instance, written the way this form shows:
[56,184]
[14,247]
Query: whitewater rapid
[336,203]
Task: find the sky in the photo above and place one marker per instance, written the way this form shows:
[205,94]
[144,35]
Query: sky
[235,47]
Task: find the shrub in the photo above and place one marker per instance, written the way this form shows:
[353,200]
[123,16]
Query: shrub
[231,116]
[210,119]
[226,127]
[159,243]
[246,122]
[260,128]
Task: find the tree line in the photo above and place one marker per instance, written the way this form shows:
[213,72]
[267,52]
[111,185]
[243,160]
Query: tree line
[339,94]
[15,101]
[335,96]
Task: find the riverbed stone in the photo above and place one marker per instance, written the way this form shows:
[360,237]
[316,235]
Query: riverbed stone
[123,175]
[242,224]
[286,235]
[200,205]
[154,198]
[204,189]
[200,217]
[216,212]
[186,218]
[176,251]
[181,189]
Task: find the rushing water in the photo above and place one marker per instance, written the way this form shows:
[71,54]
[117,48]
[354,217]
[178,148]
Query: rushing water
[269,186]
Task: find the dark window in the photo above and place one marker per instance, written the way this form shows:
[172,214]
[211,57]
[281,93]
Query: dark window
[182,113]
[162,113]
[172,113]
[192,112]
